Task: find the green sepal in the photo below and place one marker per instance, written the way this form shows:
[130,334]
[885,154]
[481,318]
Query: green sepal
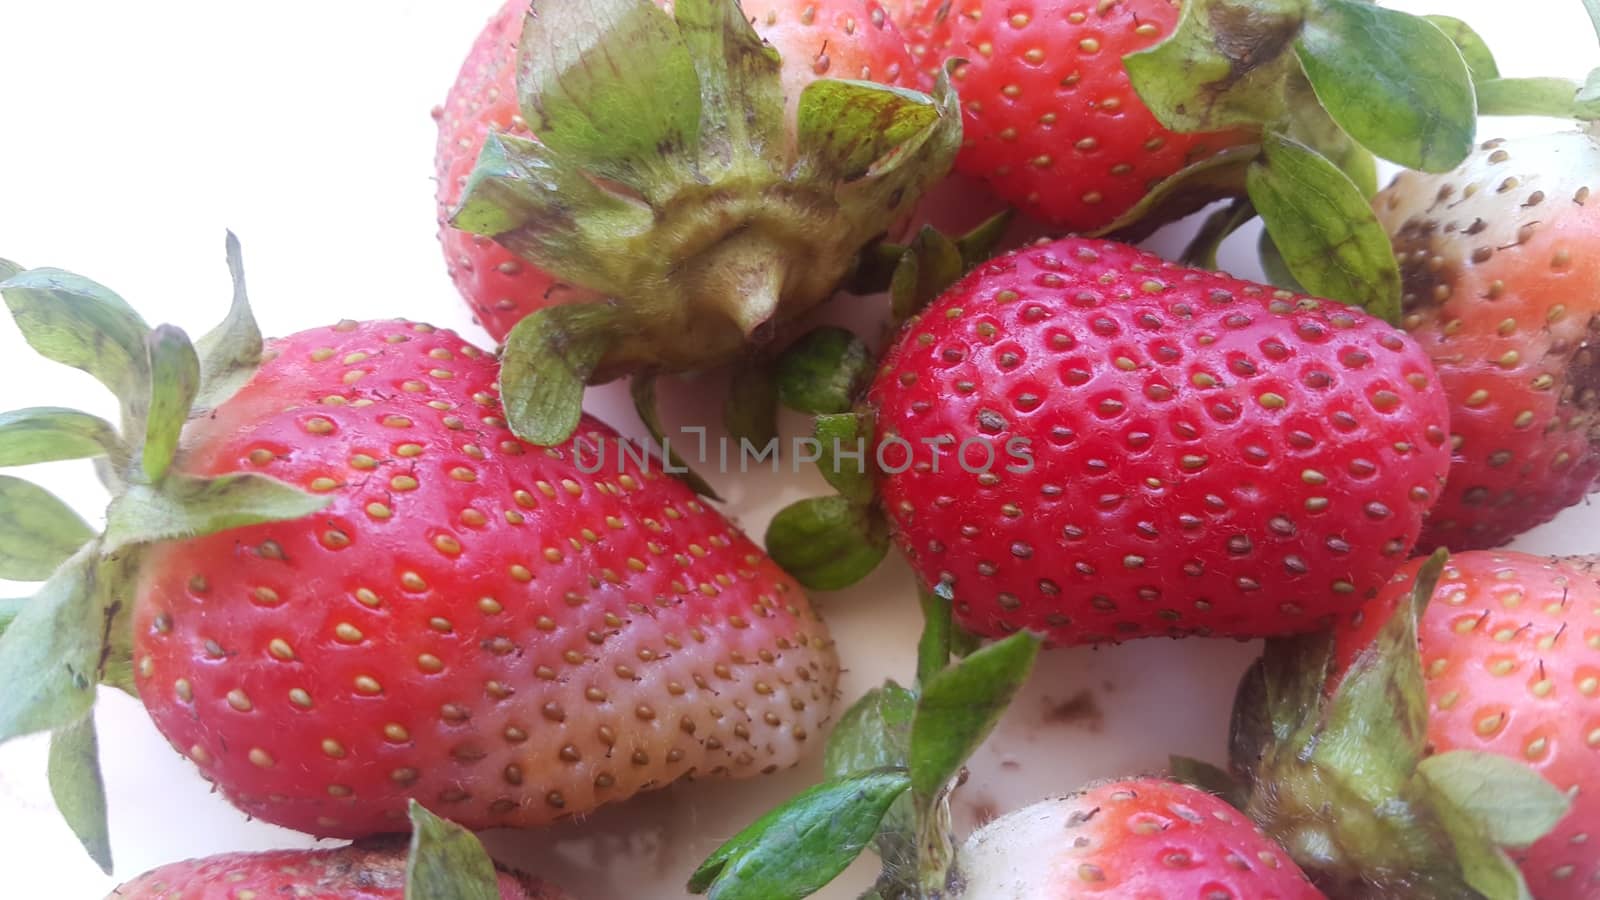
[231,352]
[742,109]
[792,851]
[37,531]
[78,788]
[751,410]
[1222,66]
[928,268]
[643,390]
[187,506]
[542,208]
[1553,97]
[1309,123]
[50,655]
[960,706]
[611,85]
[846,461]
[446,862]
[1485,867]
[9,608]
[77,322]
[1202,249]
[174,383]
[1513,804]
[828,543]
[48,433]
[1393,81]
[1324,227]
[1195,186]
[879,263]
[855,128]
[1272,264]
[1474,49]
[822,372]
[547,360]
[1209,778]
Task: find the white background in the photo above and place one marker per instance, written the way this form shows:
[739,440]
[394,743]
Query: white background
[134,133]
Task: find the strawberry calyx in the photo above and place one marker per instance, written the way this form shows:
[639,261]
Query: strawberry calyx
[74,632]
[1335,765]
[676,186]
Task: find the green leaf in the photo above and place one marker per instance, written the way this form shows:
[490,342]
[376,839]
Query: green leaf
[76,322]
[823,370]
[231,352]
[847,455]
[610,85]
[751,412]
[78,789]
[1208,778]
[1328,234]
[547,360]
[850,128]
[174,382]
[48,433]
[37,531]
[827,543]
[1474,51]
[739,82]
[543,208]
[961,705]
[1513,804]
[1394,81]
[643,389]
[1310,124]
[873,733]
[792,851]
[1219,176]
[186,506]
[1553,97]
[50,654]
[933,646]
[446,861]
[1277,271]
[1223,65]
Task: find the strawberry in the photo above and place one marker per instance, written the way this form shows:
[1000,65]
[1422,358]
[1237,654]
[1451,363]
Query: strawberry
[1051,119]
[1086,441]
[730,193]
[1135,839]
[1511,658]
[839,39]
[1499,258]
[512,635]
[376,869]
[348,873]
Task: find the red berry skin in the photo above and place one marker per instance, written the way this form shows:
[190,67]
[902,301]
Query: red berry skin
[376,872]
[1511,656]
[1139,839]
[472,622]
[1499,260]
[851,39]
[1209,456]
[1052,120]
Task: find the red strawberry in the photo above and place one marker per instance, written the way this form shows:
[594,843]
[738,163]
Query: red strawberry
[1174,451]
[375,871]
[1140,839]
[1500,258]
[1511,656]
[834,38]
[471,621]
[1052,122]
